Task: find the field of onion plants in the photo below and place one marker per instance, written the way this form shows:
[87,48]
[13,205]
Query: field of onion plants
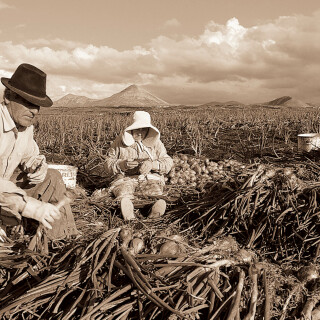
[240,238]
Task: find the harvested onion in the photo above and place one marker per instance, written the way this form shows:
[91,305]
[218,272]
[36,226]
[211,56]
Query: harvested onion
[137,245]
[191,171]
[170,248]
[245,255]
[126,236]
[308,273]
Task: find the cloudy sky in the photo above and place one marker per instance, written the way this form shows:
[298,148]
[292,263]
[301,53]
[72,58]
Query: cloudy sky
[183,51]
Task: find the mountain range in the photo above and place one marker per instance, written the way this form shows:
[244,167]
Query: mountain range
[132,96]
[135,96]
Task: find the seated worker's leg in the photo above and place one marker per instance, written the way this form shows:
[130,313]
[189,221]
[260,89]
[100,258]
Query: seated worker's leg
[154,188]
[8,220]
[124,191]
[52,190]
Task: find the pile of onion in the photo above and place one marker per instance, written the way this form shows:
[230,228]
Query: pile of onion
[191,171]
[195,172]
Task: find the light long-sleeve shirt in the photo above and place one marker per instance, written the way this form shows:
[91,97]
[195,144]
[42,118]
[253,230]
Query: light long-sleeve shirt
[17,147]
[118,151]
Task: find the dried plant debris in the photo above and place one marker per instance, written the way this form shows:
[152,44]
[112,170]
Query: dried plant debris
[243,244]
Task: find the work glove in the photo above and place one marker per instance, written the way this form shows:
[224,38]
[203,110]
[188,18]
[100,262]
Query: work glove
[125,165]
[38,171]
[43,212]
[149,165]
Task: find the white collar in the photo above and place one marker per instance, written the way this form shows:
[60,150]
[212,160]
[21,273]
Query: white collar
[8,123]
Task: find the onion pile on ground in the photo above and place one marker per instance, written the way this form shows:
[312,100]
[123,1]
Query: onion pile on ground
[274,210]
[195,172]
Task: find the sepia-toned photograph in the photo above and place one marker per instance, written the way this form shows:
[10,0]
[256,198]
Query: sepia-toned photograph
[160,160]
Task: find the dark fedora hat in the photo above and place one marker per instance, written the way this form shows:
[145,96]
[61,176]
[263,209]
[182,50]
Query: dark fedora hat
[29,82]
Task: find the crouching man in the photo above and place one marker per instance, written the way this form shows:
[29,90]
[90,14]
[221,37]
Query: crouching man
[27,187]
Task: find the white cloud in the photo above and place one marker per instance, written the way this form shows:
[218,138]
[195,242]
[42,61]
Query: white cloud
[63,88]
[4,73]
[84,54]
[231,34]
[58,86]
[4,5]
[20,26]
[248,64]
[171,23]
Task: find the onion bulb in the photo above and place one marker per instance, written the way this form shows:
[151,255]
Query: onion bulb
[287,171]
[176,237]
[126,236]
[170,248]
[245,255]
[137,245]
[308,273]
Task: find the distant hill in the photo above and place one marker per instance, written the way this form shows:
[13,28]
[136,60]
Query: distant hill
[314,105]
[132,96]
[71,100]
[222,104]
[287,101]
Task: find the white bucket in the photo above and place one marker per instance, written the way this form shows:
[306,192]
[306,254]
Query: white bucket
[308,142]
[68,173]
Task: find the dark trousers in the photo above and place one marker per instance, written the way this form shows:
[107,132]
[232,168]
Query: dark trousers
[51,190]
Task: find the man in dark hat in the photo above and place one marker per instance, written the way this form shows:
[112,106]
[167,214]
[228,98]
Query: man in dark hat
[27,187]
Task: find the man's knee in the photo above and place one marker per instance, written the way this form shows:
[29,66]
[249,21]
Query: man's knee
[54,175]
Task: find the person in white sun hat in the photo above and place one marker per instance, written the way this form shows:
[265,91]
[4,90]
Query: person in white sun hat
[138,160]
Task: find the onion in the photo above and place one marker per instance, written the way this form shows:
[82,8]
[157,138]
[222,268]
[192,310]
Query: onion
[245,255]
[287,171]
[176,237]
[270,173]
[188,170]
[137,245]
[184,157]
[308,273]
[174,181]
[172,173]
[161,234]
[193,178]
[197,169]
[170,248]
[176,160]
[126,236]
[315,315]
[211,169]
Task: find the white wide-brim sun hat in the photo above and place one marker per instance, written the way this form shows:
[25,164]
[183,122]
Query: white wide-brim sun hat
[141,119]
